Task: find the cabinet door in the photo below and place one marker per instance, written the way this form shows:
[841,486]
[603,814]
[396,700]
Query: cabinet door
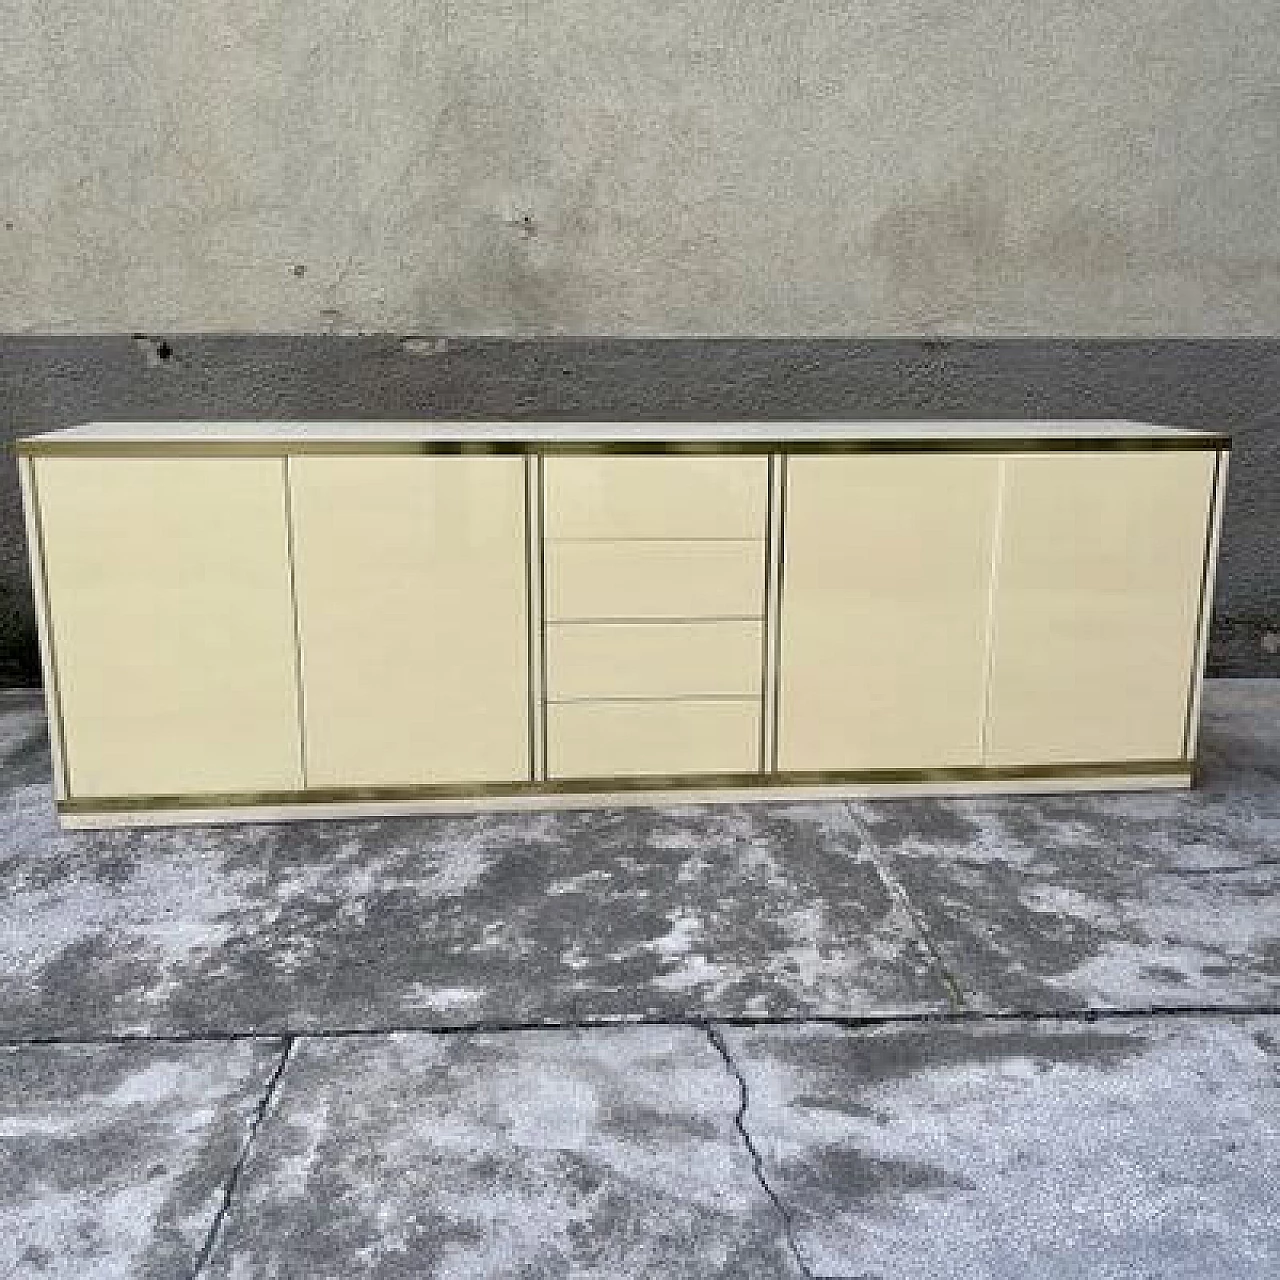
[883,611]
[1097,602]
[171,623]
[412,613]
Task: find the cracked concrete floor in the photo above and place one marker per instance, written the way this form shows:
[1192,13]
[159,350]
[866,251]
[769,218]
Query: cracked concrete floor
[989,1037]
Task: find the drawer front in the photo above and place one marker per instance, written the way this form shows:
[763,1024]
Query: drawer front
[655,739]
[646,496]
[653,659]
[674,580]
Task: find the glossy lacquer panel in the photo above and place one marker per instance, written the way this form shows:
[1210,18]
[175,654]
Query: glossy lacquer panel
[620,496]
[653,659]
[885,586]
[171,623]
[1099,578]
[412,590]
[658,739]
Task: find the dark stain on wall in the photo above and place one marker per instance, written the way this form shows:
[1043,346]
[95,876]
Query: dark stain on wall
[1228,385]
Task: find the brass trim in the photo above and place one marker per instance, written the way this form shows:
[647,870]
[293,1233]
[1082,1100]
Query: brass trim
[1212,537]
[37,447]
[33,447]
[784,482]
[766,622]
[543,619]
[560,542]
[753,698]
[656,618]
[596,786]
[30,486]
[533,620]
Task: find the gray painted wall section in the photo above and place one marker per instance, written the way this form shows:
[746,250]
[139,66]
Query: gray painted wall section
[1227,385]
[677,167]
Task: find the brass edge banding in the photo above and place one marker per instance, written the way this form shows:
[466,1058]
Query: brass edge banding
[44,626]
[764,760]
[1212,538]
[655,618]
[649,782]
[540,470]
[610,541]
[32,447]
[783,482]
[682,698]
[532,622]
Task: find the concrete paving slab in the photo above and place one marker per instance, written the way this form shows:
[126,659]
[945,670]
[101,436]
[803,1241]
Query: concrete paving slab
[114,1158]
[1033,903]
[1126,900]
[1134,1148]
[501,918]
[609,1153]
[1032,930]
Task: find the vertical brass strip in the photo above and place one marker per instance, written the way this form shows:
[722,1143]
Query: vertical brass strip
[299,682]
[1204,614]
[542,610]
[528,621]
[44,629]
[764,623]
[770,627]
[780,531]
[993,597]
[533,586]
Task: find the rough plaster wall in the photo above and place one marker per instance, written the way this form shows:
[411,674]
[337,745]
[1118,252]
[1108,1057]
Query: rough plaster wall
[668,167]
[1232,386]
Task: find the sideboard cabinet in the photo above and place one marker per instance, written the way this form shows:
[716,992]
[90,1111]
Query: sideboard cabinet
[309,619]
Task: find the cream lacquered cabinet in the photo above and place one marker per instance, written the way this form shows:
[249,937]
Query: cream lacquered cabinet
[267,620]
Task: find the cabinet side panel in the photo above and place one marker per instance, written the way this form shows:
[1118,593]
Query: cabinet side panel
[1096,612]
[884,607]
[171,621]
[413,593]
[48,659]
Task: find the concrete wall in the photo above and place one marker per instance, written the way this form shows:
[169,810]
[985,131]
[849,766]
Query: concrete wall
[1228,385]
[438,169]
[842,167]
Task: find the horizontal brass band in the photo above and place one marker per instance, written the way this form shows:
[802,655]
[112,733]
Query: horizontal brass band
[681,699]
[649,782]
[37,448]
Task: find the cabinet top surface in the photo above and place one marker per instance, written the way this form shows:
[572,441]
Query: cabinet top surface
[284,437]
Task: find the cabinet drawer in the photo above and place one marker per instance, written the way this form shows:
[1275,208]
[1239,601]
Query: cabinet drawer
[645,496]
[653,659]
[595,580]
[658,739]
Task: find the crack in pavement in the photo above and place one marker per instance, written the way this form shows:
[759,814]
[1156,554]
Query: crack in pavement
[707,1028]
[848,1021]
[719,1044]
[1243,868]
[259,1115]
[897,890]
